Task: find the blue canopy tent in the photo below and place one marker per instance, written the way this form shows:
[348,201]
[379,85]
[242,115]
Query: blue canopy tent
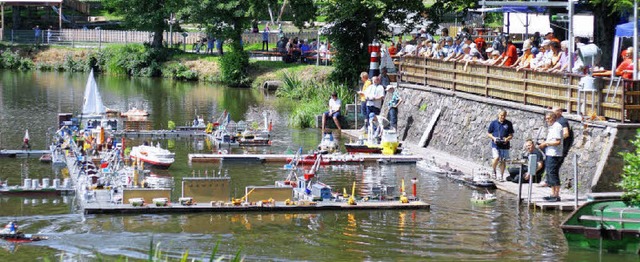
[622,31]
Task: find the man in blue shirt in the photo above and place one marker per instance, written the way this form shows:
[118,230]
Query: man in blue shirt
[501,132]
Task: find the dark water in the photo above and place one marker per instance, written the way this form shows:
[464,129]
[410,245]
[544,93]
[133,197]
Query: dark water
[454,228]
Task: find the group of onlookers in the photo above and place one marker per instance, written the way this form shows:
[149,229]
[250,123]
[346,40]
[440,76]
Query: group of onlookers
[545,53]
[294,49]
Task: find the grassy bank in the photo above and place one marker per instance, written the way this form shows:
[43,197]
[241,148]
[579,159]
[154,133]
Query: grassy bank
[136,60]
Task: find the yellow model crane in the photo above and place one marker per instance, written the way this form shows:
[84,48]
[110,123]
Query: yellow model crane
[238,201]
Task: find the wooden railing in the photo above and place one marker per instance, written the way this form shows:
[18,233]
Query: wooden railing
[621,103]
[124,36]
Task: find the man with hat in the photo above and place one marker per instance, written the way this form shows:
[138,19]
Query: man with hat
[395,100]
[334,111]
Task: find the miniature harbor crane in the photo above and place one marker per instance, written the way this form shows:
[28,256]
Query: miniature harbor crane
[352,198]
[239,201]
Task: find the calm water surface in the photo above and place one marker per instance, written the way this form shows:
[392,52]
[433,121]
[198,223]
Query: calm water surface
[454,229]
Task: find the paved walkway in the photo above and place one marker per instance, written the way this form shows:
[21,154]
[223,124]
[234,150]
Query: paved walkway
[469,167]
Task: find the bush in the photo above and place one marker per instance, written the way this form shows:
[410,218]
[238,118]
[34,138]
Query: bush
[26,64]
[179,71]
[631,174]
[9,59]
[233,68]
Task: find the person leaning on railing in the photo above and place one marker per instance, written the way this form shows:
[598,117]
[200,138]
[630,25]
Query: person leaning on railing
[563,63]
[524,61]
[509,56]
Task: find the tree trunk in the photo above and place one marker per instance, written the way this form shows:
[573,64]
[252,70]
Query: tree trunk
[604,31]
[284,4]
[157,38]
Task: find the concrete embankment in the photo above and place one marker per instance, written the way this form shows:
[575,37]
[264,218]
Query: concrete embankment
[458,123]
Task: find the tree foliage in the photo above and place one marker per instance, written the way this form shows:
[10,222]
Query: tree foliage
[145,14]
[631,174]
[354,24]
[225,20]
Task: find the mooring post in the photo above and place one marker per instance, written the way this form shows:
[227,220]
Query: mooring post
[520,185]
[575,178]
[532,165]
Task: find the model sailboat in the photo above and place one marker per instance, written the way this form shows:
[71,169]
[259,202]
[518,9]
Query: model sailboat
[92,106]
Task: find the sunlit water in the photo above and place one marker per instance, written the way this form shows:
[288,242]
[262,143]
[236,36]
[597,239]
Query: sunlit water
[454,228]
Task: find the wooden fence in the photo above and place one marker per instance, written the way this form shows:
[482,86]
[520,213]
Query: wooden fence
[619,101]
[96,37]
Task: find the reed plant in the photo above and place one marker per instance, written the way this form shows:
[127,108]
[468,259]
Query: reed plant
[308,99]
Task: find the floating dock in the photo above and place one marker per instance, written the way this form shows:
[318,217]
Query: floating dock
[23,153]
[95,208]
[161,133]
[282,158]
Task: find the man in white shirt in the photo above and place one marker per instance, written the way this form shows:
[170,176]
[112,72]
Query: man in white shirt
[374,95]
[334,111]
[553,149]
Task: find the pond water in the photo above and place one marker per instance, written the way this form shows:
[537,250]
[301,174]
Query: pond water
[454,228]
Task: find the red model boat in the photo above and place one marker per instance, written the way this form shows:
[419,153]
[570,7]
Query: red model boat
[21,238]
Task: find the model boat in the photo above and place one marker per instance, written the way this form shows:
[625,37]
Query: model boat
[153,155]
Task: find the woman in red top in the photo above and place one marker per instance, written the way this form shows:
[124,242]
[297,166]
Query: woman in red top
[626,63]
[392,49]
[510,56]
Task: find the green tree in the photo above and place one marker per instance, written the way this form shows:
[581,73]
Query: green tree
[145,14]
[353,24]
[226,20]
[631,174]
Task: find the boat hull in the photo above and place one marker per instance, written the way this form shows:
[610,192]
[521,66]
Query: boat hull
[359,148]
[609,225]
[21,238]
[255,142]
[36,192]
[156,164]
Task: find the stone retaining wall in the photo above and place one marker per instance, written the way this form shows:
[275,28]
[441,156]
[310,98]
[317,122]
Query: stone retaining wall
[461,130]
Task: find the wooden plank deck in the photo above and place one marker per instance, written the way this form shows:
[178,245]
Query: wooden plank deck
[96,208]
[161,133]
[282,158]
[23,153]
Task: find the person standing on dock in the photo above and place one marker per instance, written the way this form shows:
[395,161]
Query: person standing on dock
[392,115]
[364,76]
[501,132]
[374,96]
[567,132]
[553,149]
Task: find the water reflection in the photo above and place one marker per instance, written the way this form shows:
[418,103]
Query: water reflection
[454,228]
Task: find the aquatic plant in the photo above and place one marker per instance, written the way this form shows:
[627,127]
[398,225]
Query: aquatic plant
[310,98]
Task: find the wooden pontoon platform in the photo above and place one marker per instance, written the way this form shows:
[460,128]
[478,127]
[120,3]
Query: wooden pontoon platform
[23,153]
[94,208]
[161,133]
[282,158]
